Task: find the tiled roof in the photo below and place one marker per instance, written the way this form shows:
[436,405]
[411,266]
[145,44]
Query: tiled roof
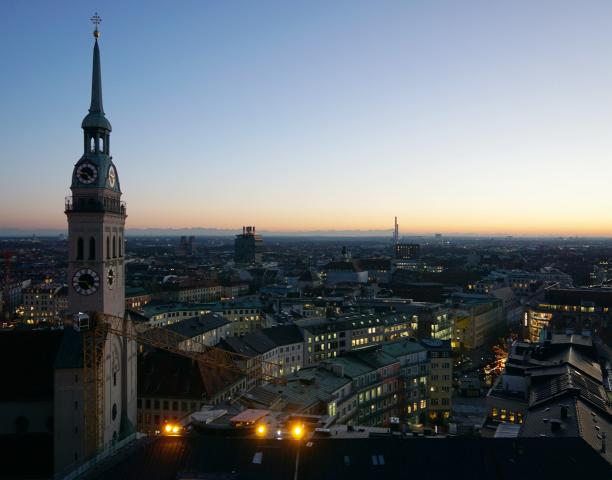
[284,334]
[570,381]
[192,327]
[165,374]
[403,347]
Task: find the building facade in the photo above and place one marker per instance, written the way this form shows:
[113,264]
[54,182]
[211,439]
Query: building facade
[248,247]
[440,379]
[45,303]
[570,309]
[407,251]
[332,337]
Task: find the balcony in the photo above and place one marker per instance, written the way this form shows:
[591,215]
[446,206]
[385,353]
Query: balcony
[104,205]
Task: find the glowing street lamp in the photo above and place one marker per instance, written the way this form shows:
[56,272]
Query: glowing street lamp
[172,429]
[260,431]
[297,431]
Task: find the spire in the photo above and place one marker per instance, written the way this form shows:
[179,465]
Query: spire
[96,82]
[96,118]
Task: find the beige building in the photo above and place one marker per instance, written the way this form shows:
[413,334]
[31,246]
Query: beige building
[136,298]
[202,330]
[45,303]
[440,379]
[478,320]
[195,292]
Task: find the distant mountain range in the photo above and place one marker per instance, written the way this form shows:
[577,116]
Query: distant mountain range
[228,232]
[202,232]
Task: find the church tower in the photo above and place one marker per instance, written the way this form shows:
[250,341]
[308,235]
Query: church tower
[95,401]
[96,215]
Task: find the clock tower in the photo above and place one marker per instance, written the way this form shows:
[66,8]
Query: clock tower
[95,404]
[96,216]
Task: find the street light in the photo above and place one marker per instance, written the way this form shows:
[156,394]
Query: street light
[297,431]
[172,429]
[260,431]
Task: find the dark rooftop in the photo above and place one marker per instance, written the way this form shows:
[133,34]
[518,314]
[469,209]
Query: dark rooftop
[26,364]
[458,458]
[192,327]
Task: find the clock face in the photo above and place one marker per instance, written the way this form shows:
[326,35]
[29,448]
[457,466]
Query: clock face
[112,176]
[87,173]
[110,277]
[85,281]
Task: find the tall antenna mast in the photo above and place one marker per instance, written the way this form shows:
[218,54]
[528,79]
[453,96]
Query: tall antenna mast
[396,233]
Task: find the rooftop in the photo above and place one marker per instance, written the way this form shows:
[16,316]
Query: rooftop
[352,321]
[194,326]
[332,458]
[403,347]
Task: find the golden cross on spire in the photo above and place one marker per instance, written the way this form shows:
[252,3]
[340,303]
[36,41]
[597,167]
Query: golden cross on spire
[96,21]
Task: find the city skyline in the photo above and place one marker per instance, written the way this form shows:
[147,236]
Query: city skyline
[319,117]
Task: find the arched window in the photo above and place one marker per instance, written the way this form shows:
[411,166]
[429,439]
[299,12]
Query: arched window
[92,248]
[101,144]
[108,246]
[114,247]
[120,247]
[80,249]
[92,144]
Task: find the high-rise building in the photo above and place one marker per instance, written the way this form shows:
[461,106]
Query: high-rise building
[96,220]
[248,246]
[187,245]
[407,251]
[395,232]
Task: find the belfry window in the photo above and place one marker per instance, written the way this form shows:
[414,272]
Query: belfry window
[80,249]
[114,247]
[92,144]
[101,146]
[108,246]
[92,248]
[120,247]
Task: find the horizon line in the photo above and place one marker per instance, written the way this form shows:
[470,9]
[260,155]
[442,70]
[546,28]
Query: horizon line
[9,232]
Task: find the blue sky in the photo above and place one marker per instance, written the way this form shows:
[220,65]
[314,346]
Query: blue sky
[456,116]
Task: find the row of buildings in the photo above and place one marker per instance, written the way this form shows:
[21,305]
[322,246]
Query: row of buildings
[407,379]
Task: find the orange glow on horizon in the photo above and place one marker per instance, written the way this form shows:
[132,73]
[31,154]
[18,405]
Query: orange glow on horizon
[558,221]
[421,229]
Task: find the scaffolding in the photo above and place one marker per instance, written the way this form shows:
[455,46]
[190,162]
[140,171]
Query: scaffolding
[214,361]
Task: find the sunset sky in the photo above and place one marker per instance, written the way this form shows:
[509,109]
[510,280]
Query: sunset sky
[456,116]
